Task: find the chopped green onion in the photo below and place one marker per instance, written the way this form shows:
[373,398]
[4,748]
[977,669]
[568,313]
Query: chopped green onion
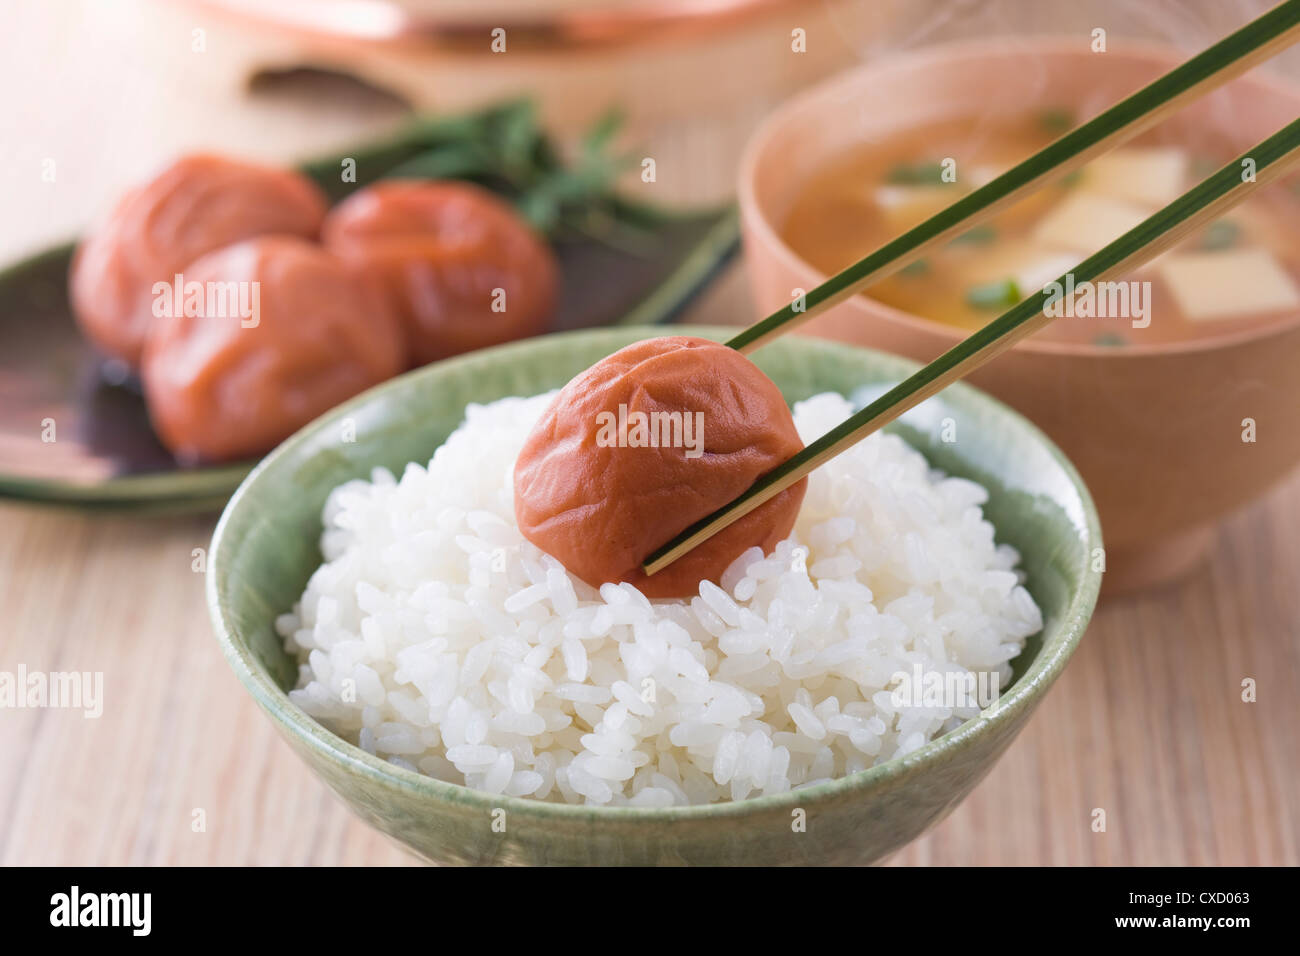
[1072,178]
[1056,120]
[978,236]
[994,295]
[917,174]
[1203,166]
[1109,339]
[1220,234]
[918,268]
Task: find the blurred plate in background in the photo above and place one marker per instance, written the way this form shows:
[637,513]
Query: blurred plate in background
[104,453]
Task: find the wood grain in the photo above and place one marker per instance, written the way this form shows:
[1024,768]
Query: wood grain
[1147,722]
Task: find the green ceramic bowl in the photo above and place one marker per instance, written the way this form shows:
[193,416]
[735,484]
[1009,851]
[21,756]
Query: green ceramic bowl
[265,548]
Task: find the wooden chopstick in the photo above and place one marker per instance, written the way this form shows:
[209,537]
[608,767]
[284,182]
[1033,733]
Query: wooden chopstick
[1236,53]
[1222,190]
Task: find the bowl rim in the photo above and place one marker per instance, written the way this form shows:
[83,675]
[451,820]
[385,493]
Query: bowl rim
[764,139]
[351,759]
[392,25]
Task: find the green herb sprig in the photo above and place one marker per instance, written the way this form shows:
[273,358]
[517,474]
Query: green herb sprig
[505,149]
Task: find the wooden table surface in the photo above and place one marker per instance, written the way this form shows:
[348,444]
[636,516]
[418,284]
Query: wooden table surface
[1147,723]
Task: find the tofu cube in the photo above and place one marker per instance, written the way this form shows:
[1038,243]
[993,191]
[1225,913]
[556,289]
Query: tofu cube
[1084,222]
[902,207]
[1031,266]
[1232,283]
[1151,177]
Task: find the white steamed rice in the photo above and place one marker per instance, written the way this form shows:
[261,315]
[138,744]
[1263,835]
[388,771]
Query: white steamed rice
[437,638]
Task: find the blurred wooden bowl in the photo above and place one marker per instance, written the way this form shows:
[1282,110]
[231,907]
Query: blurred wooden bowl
[693,79]
[1155,430]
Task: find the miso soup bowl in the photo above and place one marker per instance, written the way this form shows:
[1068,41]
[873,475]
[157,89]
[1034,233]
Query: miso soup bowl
[265,548]
[1155,430]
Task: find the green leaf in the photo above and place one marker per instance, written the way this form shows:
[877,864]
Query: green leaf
[540,209]
[601,134]
[459,161]
[516,136]
[504,148]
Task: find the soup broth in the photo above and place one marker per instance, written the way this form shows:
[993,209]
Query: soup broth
[1242,271]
